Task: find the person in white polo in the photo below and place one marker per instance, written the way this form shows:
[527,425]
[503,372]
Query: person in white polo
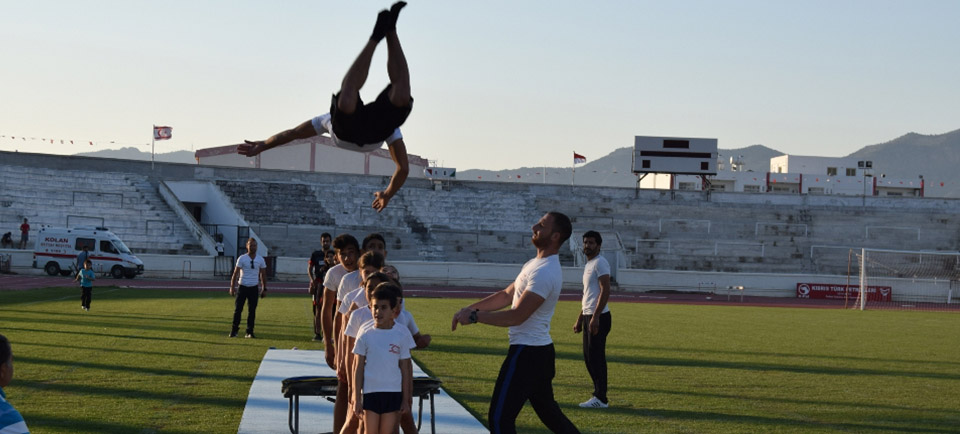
[527,372]
[594,319]
[250,271]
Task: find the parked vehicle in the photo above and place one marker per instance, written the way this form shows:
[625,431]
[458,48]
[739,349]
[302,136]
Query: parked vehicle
[57,249]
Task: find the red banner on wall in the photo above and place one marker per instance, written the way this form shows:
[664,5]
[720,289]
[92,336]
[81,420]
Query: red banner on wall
[832,291]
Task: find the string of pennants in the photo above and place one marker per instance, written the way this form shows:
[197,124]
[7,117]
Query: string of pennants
[530,175]
[44,140]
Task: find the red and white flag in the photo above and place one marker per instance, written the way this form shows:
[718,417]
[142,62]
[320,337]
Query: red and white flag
[579,159]
[162,133]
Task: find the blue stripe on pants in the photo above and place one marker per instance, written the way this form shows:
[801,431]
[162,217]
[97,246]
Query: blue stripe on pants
[504,390]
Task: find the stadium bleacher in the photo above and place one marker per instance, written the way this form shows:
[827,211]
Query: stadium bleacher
[124,202]
[472,221]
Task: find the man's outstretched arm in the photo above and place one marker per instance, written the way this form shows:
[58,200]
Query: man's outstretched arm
[496,301]
[398,151]
[301,131]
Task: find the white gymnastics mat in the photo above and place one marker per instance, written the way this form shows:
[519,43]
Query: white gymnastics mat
[266,410]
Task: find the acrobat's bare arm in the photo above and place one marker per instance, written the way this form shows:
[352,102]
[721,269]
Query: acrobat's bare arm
[398,151]
[252,148]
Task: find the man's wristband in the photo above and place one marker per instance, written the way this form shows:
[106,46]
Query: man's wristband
[473,316]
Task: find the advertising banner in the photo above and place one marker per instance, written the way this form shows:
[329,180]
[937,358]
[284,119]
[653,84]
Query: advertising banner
[833,291]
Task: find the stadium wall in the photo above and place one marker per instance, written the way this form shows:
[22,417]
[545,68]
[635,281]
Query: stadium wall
[473,275]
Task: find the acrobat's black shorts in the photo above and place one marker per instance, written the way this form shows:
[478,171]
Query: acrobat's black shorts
[382,402]
[370,123]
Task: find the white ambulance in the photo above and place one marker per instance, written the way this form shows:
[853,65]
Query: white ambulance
[57,249]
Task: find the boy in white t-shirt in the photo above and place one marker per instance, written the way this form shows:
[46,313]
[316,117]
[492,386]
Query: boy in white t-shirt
[373,258]
[351,331]
[352,285]
[358,302]
[361,319]
[352,282]
[422,341]
[351,288]
[383,378]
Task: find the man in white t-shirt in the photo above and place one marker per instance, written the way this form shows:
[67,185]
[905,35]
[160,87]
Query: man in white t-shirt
[251,275]
[594,319]
[356,126]
[527,372]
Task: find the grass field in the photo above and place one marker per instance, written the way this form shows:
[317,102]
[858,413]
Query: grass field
[159,361]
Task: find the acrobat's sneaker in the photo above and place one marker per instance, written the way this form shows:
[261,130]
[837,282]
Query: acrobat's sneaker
[382,26]
[593,402]
[395,13]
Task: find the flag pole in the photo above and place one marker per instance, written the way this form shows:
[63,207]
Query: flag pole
[573,179]
[152,145]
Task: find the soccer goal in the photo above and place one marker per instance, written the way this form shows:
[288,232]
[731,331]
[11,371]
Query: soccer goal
[908,280]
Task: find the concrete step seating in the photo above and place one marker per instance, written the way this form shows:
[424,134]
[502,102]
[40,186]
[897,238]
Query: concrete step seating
[795,229]
[124,202]
[419,224]
[289,217]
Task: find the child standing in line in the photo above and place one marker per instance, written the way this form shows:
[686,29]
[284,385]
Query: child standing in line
[383,379]
[405,316]
[371,278]
[86,276]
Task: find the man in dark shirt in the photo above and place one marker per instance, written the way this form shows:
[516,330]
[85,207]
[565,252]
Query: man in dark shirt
[316,269]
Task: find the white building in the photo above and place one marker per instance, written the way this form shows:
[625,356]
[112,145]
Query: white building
[796,174]
[316,154]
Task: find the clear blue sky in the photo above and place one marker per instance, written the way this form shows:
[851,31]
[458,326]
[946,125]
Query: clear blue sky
[498,84]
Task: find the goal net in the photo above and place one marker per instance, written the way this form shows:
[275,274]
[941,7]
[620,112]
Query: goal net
[902,279]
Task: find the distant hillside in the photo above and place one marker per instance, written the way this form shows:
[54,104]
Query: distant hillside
[936,157]
[130,153]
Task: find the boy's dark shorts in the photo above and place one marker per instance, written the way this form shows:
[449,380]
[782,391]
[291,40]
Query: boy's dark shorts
[382,402]
[370,123]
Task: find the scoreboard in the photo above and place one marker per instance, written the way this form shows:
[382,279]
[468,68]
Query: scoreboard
[675,155]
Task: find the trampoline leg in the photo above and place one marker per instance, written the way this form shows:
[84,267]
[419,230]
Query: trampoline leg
[433,425]
[296,415]
[293,412]
[420,414]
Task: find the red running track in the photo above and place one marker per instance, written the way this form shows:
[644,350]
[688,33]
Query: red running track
[26,282]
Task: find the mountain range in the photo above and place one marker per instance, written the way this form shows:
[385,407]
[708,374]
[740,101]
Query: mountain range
[131,153]
[935,157]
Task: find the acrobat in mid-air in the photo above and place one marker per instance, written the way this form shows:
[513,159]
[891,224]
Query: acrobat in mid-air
[361,127]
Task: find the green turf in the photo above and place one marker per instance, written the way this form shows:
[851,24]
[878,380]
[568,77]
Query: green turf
[159,361]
